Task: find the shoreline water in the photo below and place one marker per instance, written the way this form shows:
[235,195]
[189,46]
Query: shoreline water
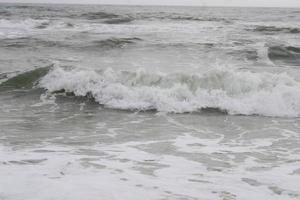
[114,102]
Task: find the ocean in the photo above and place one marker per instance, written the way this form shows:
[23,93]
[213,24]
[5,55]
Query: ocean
[149,102]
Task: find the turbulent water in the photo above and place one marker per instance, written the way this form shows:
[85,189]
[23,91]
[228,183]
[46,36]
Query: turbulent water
[131,102]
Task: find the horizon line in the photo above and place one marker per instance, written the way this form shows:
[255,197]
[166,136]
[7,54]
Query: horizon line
[175,5]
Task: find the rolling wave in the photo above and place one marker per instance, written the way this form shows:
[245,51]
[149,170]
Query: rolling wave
[229,91]
[232,91]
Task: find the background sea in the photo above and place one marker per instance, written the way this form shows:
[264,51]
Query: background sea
[133,102]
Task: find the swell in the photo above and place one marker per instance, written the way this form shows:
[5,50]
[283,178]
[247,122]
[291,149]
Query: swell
[203,19]
[273,30]
[35,24]
[24,42]
[98,15]
[109,43]
[5,13]
[112,18]
[103,16]
[230,91]
[119,20]
[248,54]
[107,18]
[43,25]
[34,7]
[25,80]
[286,54]
[31,42]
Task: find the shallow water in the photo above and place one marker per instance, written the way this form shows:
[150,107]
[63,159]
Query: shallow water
[106,102]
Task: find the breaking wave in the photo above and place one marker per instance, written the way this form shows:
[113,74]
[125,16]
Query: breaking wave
[232,91]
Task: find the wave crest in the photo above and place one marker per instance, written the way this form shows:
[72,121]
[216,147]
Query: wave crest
[236,92]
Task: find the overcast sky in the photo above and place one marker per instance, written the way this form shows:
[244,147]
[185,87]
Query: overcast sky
[269,3]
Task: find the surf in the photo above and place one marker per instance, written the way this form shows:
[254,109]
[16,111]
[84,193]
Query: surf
[232,91]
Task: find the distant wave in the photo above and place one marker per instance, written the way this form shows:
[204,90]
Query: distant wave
[40,13]
[111,18]
[107,18]
[110,43]
[35,8]
[43,25]
[181,17]
[28,42]
[231,91]
[31,42]
[274,29]
[286,54]
[25,23]
[29,24]
[249,54]
[5,13]
[120,20]
[192,18]
[99,15]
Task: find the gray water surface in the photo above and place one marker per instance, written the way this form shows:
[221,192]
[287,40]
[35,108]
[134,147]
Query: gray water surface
[149,103]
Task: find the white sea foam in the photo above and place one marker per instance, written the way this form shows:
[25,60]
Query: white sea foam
[127,171]
[233,91]
[19,28]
